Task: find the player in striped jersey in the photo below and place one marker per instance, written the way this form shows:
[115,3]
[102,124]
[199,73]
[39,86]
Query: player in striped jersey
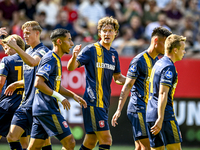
[162,125]
[47,119]
[10,71]
[101,65]
[22,119]
[137,82]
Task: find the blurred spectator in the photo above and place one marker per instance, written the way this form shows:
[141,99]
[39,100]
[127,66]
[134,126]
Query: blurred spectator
[137,27]
[126,44]
[150,13]
[70,9]
[28,8]
[91,35]
[189,25]
[7,10]
[90,11]
[174,15]
[113,8]
[194,11]
[131,9]
[51,10]
[163,4]
[65,24]
[161,22]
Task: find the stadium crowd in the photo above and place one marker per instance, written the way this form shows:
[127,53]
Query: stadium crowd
[137,19]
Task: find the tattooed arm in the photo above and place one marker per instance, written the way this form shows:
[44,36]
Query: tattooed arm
[122,99]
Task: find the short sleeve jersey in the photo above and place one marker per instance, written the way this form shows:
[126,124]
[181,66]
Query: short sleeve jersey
[163,73]
[11,68]
[100,65]
[51,70]
[29,75]
[140,69]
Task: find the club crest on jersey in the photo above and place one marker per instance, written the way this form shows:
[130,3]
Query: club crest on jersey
[2,65]
[47,67]
[168,74]
[113,58]
[65,124]
[133,68]
[101,123]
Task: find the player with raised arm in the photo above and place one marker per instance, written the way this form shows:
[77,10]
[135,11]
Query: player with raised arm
[101,65]
[22,119]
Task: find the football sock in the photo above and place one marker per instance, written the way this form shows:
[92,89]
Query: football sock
[48,147]
[15,145]
[83,148]
[104,147]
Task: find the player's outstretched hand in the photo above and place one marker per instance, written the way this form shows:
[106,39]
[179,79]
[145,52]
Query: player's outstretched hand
[66,104]
[80,100]
[76,50]
[157,127]
[10,89]
[115,117]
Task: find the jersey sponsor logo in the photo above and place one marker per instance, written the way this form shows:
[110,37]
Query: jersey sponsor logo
[101,124]
[168,74]
[2,65]
[133,68]
[42,52]
[65,124]
[163,80]
[47,67]
[113,58]
[27,67]
[105,65]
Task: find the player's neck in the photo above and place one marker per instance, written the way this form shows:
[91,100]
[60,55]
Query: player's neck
[34,44]
[152,52]
[106,45]
[58,52]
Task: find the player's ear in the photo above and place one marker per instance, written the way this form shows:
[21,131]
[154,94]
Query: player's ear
[59,41]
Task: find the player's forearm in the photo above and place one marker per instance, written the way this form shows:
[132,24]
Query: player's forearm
[29,60]
[72,64]
[162,102]
[19,84]
[66,92]
[123,97]
[120,79]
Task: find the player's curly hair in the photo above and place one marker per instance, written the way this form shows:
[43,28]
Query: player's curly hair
[173,41]
[34,24]
[161,32]
[108,21]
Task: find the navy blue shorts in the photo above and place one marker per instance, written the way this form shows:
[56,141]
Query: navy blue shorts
[169,134]
[49,125]
[23,118]
[139,126]
[95,119]
[5,121]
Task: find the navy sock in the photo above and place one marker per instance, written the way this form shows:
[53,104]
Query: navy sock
[48,147]
[104,147]
[15,145]
[83,148]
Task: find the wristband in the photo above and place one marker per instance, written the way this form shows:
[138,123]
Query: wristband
[58,96]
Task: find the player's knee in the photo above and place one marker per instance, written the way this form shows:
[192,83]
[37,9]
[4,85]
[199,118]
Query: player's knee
[106,140]
[70,144]
[11,137]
